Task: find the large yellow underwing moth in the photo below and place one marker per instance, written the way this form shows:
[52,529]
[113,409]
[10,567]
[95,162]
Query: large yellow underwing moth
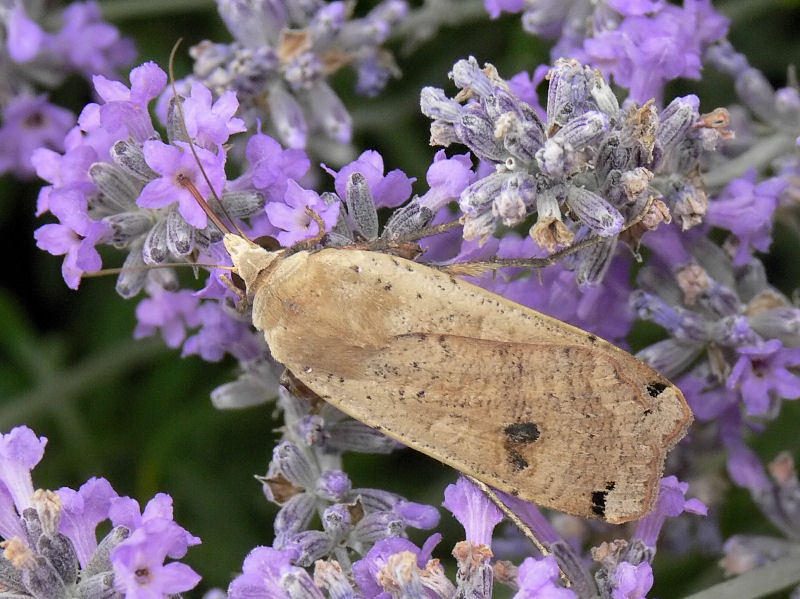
[523,402]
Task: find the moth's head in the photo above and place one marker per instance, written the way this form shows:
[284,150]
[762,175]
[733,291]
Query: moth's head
[248,258]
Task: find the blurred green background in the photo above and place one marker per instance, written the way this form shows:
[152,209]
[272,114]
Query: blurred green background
[139,415]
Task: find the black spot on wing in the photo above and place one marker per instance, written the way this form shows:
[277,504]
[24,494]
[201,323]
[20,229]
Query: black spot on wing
[518,463]
[521,432]
[655,388]
[599,500]
[516,436]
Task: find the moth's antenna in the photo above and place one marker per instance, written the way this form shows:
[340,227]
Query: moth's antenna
[184,181]
[478,268]
[115,271]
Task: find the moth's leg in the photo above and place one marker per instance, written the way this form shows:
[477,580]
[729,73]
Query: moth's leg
[310,244]
[243,305]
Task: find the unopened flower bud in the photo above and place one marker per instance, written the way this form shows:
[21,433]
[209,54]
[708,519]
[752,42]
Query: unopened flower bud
[295,514]
[378,525]
[290,461]
[336,522]
[310,546]
[477,132]
[436,105]
[361,206]
[594,212]
[675,121]
[179,234]
[298,584]
[468,74]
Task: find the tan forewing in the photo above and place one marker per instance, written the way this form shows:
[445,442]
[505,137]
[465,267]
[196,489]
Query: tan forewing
[557,425]
[465,375]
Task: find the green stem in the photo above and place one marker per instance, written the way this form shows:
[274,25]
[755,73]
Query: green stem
[106,364]
[423,23]
[760,155]
[756,583]
[121,10]
[741,11]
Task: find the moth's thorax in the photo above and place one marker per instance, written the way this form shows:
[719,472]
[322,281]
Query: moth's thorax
[248,258]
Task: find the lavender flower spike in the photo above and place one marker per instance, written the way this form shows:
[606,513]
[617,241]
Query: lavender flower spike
[591,167]
[52,550]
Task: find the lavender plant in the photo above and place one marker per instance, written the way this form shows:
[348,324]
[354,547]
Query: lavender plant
[42,45]
[672,208]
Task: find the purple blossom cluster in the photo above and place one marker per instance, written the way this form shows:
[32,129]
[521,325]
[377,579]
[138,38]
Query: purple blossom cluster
[50,546]
[35,59]
[394,566]
[640,44]
[642,188]
[610,168]
[282,56]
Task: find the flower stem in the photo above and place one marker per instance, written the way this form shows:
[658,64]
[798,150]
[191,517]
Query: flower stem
[757,157]
[756,583]
[105,364]
[121,10]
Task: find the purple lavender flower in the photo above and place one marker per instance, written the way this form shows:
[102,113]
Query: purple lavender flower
[155,521]
[746,470]
[762,371]
[644,51]
[263,572]
[291,216]
[581,161]
[220,333]
[366,570]
[745,208]
[447,177]
[110,171]
[89,44]
[39,60]
[747,319]
[388,190]
[473,510]
[176,164]
[126,109]
[24,36]
[171,312]
[139,568]
[50,547]
[709,400]
[271,166]
[20,451]
[74,238]
[537,580]
[83,510]
[28,123]
[641,44]
[211,124]
[85,43]
[525,86]
[70,170]
[282,57]
[671,502]
[632,581]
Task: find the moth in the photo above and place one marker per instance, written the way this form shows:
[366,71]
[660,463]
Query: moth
[511,397]
[520,401]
